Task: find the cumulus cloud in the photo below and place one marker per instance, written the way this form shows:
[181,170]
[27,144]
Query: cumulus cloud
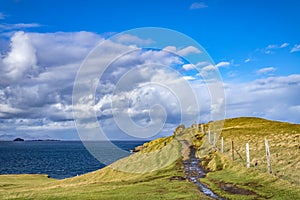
[7,110]
[21,59]
[188,67]
[149,80]
[131,39]
[273,98]
[37,75]
[210,71]
[222,64]
[266,70]
[198,5]
[38,72]
[62,48]
[295,48]
[188,50]
[184,51]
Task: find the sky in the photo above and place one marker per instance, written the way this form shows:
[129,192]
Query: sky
[254,45]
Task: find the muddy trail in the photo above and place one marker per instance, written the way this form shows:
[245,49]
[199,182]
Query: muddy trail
[194,171]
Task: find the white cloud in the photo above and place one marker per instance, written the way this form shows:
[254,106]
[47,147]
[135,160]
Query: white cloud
[131,39]
[207,70]
[183,52]
[45,65]
[284,45]
[222,64]
[37,74]
[275,46]
[268,52]
[188,50]
[295,48]
[247,60]
[272,46]
[189,78]
[65,47]
[268,98]
[6,27]
[6,110]
[270,49]
[188,67]
[21,59]
[202,64]
[170,48]
[266,70]
[198,5]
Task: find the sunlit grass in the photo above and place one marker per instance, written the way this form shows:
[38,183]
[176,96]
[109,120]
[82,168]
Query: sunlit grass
[283,139]
[148,173]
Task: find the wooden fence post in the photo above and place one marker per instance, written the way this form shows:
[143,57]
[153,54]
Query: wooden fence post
[248,155]
[215,139]
[222,145]
[268,156]
[209,136]
[232,149]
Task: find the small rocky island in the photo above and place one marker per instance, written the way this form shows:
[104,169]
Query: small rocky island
[18,140]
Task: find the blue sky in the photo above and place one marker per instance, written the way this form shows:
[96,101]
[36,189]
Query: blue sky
[254,44]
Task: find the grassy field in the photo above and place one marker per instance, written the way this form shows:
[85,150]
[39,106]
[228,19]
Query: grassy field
[149,174]
[229,178]
[156,172]
[283,139]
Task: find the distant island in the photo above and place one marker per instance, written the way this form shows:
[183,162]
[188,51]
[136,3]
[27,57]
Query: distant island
[37,140]
[18,140]
[40,140]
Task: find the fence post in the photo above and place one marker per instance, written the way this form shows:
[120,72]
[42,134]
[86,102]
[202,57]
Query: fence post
[222,145]
[232,148]
[215,139]
[268,156]
[209,136]
[248,155]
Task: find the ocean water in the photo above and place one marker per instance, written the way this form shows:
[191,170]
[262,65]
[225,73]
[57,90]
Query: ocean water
[58,159]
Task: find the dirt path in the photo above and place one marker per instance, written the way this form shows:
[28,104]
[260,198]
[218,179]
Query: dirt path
[193,170]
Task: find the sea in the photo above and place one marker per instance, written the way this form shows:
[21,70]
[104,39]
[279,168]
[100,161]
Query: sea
[58,159]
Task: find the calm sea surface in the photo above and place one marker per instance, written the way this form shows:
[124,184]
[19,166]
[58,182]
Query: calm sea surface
[58,159]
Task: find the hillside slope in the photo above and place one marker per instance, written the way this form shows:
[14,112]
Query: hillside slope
[227,176]
[156,172]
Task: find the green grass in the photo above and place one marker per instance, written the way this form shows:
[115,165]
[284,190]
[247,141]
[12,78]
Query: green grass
[149,174]
[262,185]
[284,143]
[146,174]
[283,139]
[153,186]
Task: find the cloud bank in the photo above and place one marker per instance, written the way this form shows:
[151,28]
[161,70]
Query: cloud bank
[37,74]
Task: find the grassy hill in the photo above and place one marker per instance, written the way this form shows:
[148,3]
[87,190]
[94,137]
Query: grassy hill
[283,139]
[156,171]
[228,175]
[150,174]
